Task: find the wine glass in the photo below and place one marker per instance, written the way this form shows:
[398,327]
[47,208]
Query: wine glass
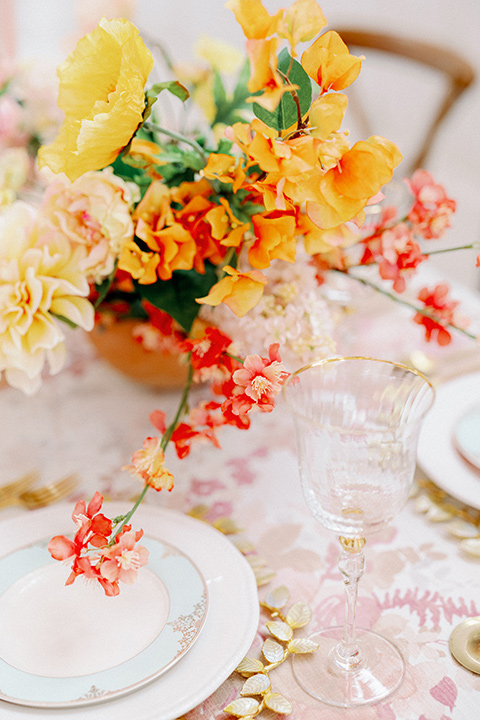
[357,422]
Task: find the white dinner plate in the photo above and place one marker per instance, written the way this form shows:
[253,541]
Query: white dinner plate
[227,634]
[68,646]
[466,435]
[438,454]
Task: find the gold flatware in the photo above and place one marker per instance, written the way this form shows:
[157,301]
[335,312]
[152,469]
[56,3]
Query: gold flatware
[44,495]
[16,487]
[49,493]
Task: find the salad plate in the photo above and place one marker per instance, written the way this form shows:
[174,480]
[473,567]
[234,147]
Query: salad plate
[229,628]
[438,451]
[67,646]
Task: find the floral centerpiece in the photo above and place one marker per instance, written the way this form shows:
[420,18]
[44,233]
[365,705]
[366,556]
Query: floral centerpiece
[216,241]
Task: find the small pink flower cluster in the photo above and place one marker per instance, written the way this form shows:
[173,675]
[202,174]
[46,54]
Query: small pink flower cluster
[431,213]
[95,556]
[250,386]
[442,307]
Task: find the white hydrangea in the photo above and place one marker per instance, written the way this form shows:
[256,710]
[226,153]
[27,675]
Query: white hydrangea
[292,312]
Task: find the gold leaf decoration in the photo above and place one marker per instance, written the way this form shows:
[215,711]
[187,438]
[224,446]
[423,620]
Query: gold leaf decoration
[264,575]
[255,561]
[462,529]
[256,685]
[461,521]
[438,514]
[280,630]
[226,525]
[199,511]
[244,545]
[258,681]
[278,598]
[273,651]
[249,666]
[299,646]
[423,503]
[471,546]
[241,707]
[299,615]
[278,703]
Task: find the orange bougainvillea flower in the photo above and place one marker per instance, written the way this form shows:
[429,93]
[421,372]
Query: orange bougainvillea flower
[264,74]
[329,62]
[326,114]
[274,239]
[173,247]
[102,92]
[225,168]
[253,17]
[225,227]
[240,291]
[141,265]
[301,22]
[344,190]
[273,155]
[319,242]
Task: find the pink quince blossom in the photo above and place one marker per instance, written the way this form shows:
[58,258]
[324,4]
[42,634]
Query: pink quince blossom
[123,560]
[148,465]
[258,383]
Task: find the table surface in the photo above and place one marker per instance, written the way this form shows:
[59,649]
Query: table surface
[418,584]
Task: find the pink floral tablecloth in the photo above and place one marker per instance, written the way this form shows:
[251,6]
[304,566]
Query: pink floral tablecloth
[418,584]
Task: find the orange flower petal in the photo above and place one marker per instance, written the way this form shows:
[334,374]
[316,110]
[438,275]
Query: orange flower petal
[329,62]
[254,18]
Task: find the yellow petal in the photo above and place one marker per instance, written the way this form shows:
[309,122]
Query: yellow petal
[302,21]
[102,92]
[326,114]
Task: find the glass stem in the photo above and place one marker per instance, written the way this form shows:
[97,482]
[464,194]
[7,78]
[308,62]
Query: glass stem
[352,565]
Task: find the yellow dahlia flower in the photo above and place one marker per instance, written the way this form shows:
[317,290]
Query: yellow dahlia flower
[38,281]
[102,92]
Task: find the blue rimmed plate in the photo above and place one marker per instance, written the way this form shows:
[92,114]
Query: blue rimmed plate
[72,646]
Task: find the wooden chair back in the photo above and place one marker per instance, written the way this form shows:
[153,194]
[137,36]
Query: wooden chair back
[458,74]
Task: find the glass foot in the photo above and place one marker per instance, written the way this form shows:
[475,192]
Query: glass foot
[378,674]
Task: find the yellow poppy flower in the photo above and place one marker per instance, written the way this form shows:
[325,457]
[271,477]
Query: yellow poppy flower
[102,92]
[240,291]
[329,62]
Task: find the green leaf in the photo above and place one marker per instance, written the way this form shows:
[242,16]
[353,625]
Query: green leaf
[241,92]
[64,319]
[177,295]
[105,285]
[219,93]
[286,113]
[229,107]
[187,158]
[172,86]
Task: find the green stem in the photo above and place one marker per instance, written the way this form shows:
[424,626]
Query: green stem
[163,444]
[395,298]
[445,250]
[180,410]
[129,514]
[180,138]
[235,357]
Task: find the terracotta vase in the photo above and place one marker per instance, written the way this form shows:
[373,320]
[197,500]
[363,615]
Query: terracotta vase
[116,345]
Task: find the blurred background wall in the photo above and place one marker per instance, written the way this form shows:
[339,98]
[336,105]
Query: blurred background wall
[400,97]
